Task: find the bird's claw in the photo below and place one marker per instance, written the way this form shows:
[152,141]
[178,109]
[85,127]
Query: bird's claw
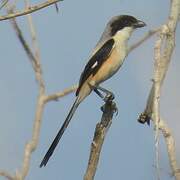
[109,97]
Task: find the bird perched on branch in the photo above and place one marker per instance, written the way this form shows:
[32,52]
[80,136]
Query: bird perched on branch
[106,59]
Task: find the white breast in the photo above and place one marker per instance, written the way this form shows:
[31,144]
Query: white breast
[121,48]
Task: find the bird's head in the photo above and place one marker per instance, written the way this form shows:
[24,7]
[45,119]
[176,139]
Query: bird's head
[119,23]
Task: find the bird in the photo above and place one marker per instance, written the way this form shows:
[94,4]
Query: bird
[105,60]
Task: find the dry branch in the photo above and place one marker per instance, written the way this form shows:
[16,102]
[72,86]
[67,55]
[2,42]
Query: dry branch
[29,9]
[164,47]
[99,135]
[33,142]
[170,143]
[56,96]
[6,175]
[3,3]
[24,43]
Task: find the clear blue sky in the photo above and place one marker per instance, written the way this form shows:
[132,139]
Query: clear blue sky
[66,40]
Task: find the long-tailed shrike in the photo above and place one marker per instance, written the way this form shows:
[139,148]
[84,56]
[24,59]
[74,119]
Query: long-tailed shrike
[105,61]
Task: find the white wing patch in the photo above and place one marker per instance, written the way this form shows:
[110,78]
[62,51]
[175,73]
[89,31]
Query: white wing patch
[94,65]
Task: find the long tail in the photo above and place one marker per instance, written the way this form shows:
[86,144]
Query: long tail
[60,133]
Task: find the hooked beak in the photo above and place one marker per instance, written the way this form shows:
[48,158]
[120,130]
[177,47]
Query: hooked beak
[139,24]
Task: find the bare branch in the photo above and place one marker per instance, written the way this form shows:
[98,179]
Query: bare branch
[38,69]
[100,132]
[3,4]
[156,99]
[6,175]
[24,43]
[58,95]
[35,60]
[33,34]
[164,47]
[29,10]
[170,143]
[33,142]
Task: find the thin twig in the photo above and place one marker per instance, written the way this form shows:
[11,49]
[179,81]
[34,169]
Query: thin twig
[61,94]
[33,142]
[6,175]
[3,4]
[29,10]
[24,43]
[35,60]
[33,33]
[36,49]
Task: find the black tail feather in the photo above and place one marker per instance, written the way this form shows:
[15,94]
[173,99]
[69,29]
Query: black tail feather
[59,135]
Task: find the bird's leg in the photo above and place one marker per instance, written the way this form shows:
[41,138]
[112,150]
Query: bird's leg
[98,93]
[108,94]
[108,97]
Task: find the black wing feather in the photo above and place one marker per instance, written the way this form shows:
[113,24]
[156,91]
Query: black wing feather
[99,57]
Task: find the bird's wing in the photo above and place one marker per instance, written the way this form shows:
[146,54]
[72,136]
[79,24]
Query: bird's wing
[95,62]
